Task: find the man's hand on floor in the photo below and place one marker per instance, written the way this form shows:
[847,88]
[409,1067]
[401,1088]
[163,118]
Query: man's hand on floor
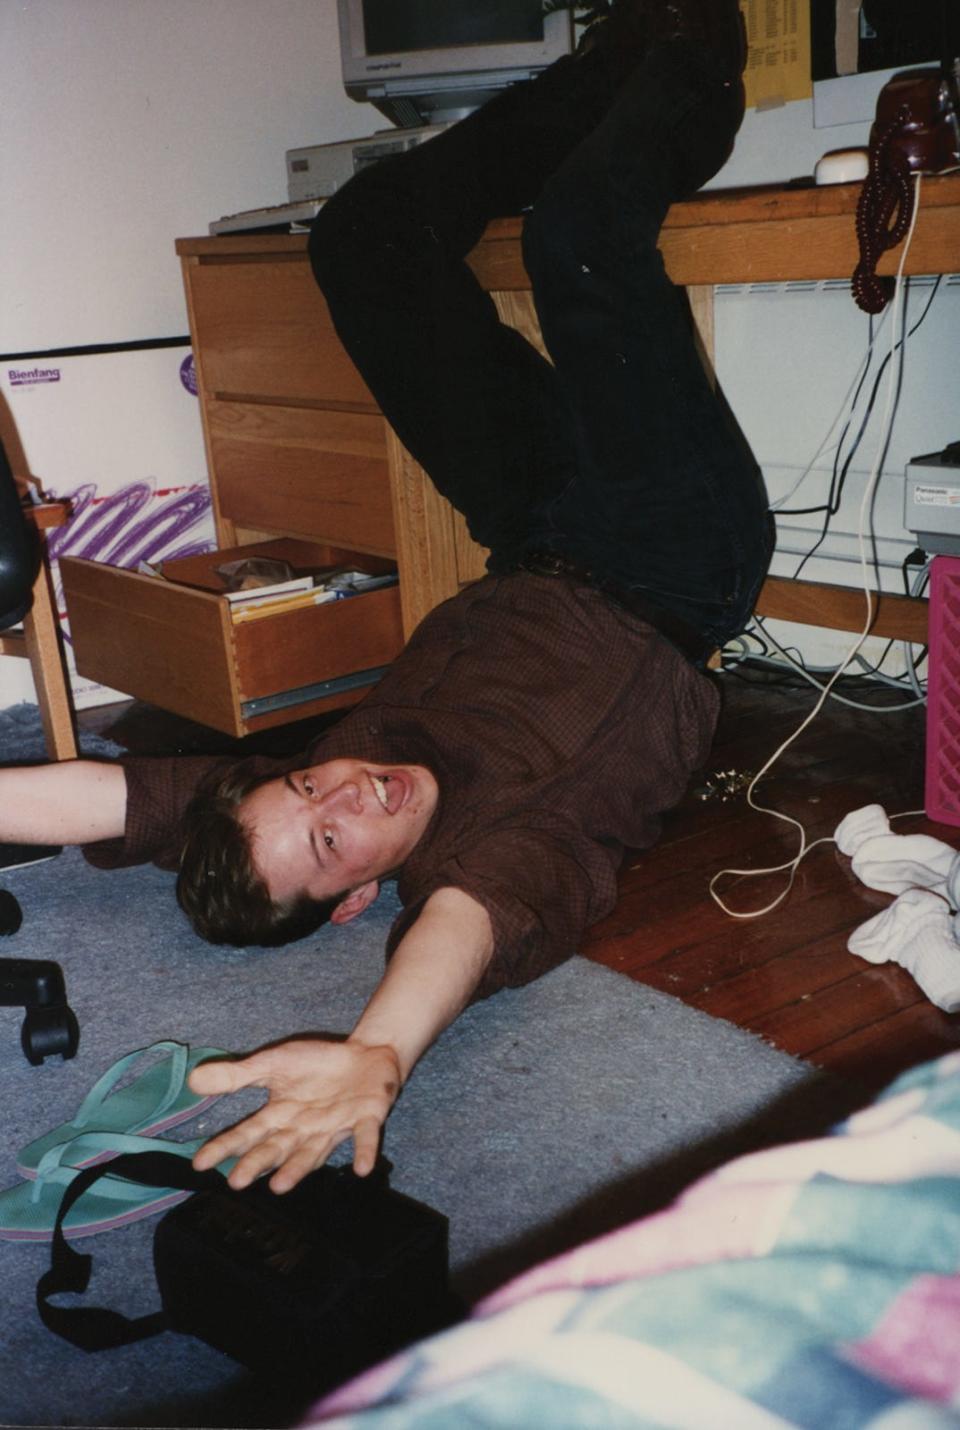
[321,1093]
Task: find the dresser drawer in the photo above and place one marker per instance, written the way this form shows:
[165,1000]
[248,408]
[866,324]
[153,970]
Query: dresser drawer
[177,646]
[261,329]
[300,471]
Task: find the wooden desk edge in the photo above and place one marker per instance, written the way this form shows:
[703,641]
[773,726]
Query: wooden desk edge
[710,208]
[843,608]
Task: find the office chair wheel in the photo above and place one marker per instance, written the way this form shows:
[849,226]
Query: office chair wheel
[49,1031]
[11,915]
[50,1026]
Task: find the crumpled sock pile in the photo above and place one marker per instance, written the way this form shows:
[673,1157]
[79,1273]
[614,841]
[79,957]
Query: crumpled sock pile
[919,929]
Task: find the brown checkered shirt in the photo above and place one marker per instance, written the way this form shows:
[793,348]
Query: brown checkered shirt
[559,728]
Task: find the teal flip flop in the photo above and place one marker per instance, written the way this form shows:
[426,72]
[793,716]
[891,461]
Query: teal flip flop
[153,1102]
[28,1211]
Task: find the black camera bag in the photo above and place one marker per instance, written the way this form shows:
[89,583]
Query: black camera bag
[312,1286]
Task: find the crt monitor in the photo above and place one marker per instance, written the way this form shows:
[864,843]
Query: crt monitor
[433,61]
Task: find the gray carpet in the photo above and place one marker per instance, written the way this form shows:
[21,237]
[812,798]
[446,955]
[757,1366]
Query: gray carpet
[543,1116]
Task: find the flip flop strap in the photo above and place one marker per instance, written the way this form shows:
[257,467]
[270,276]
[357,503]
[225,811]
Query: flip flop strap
[114,1188]
[104,1085]
[59,1164]
[96,1327]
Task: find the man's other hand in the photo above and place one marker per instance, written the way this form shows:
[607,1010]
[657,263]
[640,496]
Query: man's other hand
[321,1093]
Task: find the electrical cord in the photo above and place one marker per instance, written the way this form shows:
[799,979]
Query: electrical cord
[834,474]
[811,679]
[839,477]
[885,211]
[856,386]
[794,672]
[791,865]
[737,652]
[868,669]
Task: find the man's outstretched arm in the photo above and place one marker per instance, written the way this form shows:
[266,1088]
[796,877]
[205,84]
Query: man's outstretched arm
[323,1092]
[73,802]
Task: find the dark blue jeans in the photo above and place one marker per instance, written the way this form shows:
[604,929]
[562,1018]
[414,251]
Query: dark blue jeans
[618,454]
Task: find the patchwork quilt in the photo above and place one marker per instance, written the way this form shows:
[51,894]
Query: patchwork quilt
[815,1284]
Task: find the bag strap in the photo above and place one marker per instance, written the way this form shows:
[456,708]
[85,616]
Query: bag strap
[95,1328]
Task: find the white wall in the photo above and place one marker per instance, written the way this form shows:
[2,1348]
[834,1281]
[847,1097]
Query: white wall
[126,124]
[129,123]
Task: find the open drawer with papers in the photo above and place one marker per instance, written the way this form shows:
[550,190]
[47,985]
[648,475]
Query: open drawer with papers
[179,642]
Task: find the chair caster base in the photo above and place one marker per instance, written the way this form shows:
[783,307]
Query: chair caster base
[50,1027]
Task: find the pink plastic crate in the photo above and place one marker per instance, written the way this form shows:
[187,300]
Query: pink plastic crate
[942,793]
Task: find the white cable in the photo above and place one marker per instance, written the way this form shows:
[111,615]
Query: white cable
[787,662]
[910,678]
[742,650]
[803,667]
[842,413]
[893,386]
[873,671]
[811,677]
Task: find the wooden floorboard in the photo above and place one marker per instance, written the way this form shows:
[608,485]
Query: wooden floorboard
[788,975]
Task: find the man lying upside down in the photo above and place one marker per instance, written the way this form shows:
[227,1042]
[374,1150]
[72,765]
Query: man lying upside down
[542,720]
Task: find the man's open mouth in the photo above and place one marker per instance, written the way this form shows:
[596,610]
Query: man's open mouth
[391,790]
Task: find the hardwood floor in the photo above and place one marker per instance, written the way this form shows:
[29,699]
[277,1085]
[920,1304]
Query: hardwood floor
[787,975]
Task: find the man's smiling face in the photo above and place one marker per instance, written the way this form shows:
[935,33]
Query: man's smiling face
[337,827]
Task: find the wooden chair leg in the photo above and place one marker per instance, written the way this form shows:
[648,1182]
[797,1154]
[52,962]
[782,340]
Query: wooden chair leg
[45,650]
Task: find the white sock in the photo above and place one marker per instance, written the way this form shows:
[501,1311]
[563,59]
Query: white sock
[953,883]
[892,862]
[916,931]
[861,824]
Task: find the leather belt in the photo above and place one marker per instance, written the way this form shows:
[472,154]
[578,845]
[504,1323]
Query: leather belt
[691,642]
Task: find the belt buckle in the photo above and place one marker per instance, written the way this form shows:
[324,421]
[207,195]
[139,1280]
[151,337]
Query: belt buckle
[544,563]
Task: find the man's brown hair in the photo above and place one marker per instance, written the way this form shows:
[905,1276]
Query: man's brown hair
[218,886]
